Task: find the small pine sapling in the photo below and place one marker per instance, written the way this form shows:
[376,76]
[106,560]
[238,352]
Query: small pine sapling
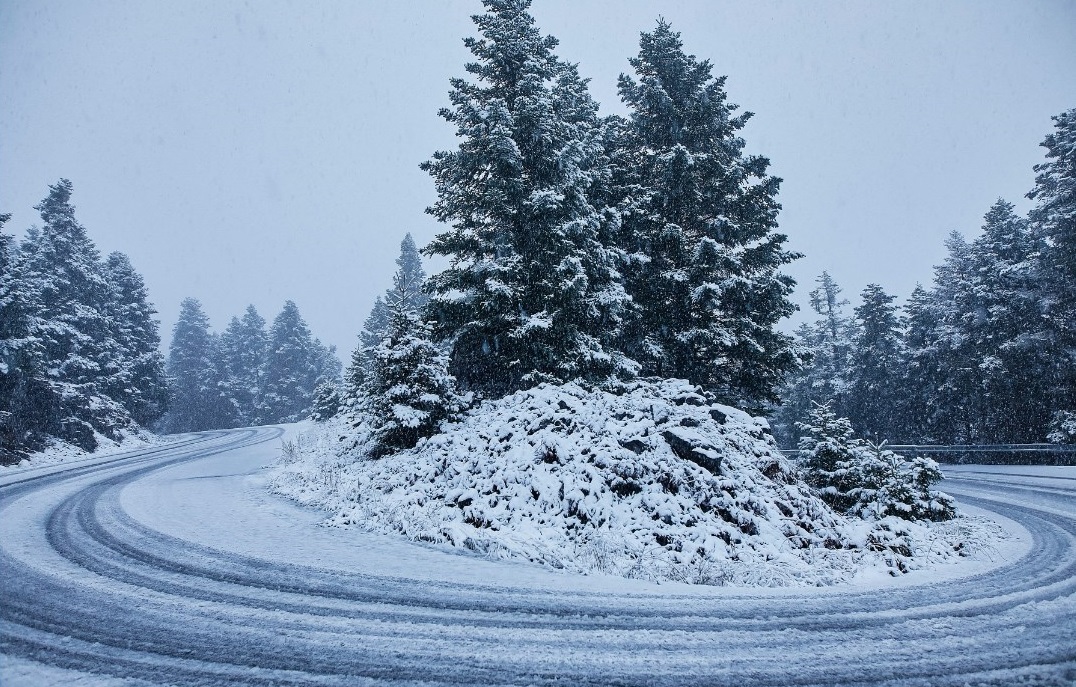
[408,391]
[867,480]
[327,401]
[827,453]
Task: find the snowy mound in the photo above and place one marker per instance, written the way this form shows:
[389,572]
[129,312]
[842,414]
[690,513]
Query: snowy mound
[652,483]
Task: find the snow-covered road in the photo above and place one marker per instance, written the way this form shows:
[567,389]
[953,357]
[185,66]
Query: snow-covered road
[173,565]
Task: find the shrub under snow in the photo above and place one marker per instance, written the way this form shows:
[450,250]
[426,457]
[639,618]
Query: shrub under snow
[865,479]
[652,482]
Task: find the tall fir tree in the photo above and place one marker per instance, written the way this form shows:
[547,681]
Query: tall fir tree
[1009,331]
[243,348]
[699,222]
[530,294]
[63,268]
[923,365]
[1054,219]
[825,348]
[291,369]
[327,363]
[28,403]
[199,396]
[957,397]
[136,376]
[373,330]
[877,364]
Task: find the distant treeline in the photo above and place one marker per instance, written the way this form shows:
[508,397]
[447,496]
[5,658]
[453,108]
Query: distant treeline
[80,357]
[986,355]
[245,375]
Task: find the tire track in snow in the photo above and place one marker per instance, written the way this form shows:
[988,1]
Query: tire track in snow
[90,588]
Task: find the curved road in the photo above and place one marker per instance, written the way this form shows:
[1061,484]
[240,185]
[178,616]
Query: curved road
[92,591]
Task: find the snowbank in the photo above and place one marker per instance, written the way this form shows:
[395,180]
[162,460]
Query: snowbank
[62,452]
[652,483]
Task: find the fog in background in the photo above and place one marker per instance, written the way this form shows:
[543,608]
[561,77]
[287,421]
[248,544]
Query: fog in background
[252,152]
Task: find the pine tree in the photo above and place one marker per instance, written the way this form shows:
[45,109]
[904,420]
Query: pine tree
[199,398]
[827,451]
[243,348]
[28,404]
[1010,331]
[373,330]
[957,398]
[63,268]
[531,294]
[411,275]
[866,479]
[922,368]
[408,391]
[135,377]
[1054,219]
[409,264]
[825,348]
[291,369]
[699,220]
[327,365]
[1062,428]
[327,402]
[877,366]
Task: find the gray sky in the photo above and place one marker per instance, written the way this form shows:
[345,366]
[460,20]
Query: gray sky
[250,152]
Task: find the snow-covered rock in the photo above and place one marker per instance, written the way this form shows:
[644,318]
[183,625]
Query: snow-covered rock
[651,482]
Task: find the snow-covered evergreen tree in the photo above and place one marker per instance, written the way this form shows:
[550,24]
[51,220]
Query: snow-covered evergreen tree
[291,369]
[135,377]
[28,404]
[243,349]
[922,368]
[408,391]
[328,365]
[1054,219]
[409,264]
[699,221]
[358,369]
[63,268]
[877,365]
[885,484]
[531,293]
[866,479]
[1009,330]
[825,348]
[199,395]
[827,451]
[327,402]
[1062,428]
[957,397]
[411,275]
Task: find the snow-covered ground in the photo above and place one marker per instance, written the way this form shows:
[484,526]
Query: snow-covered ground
[60,452]
[174,565]
[653,484]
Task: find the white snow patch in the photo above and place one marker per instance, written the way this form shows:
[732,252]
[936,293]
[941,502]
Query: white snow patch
[653,483]
[59,452]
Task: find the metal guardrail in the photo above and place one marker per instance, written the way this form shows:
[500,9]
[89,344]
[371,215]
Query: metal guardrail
[984,448]
[1024,453]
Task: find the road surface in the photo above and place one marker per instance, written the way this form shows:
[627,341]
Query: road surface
[171,565]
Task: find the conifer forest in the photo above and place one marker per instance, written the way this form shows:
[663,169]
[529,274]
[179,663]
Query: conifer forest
[585,427]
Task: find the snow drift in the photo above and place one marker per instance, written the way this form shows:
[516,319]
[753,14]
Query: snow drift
[651,482]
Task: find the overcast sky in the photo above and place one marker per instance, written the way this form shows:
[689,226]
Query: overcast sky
[252,152]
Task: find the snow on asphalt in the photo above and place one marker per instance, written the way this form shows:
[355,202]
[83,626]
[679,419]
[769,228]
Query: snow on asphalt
[175,566]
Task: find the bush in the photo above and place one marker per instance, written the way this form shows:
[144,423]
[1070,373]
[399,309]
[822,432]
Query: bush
[865,479]
[1063,428]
